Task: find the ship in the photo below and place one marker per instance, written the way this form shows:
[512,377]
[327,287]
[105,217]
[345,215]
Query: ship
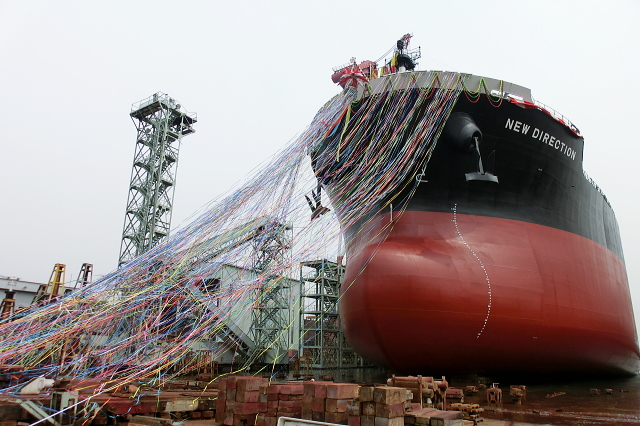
[493,252]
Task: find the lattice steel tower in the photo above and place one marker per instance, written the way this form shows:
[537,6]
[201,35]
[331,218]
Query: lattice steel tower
[161,124]
[322,342]
[271,314]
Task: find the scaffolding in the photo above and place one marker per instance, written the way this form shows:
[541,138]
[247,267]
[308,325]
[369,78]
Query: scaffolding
[322,342]
[161,123]
[271,315]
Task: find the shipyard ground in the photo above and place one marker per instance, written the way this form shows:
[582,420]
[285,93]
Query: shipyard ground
[553,402]
[485,422]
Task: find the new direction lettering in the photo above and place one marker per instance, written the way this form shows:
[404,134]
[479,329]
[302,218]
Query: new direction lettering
[543,137]
[517,126]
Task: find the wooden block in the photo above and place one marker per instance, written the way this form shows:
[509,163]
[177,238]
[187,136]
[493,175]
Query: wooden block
[368,408]
[317,416]
[423,421]
[263,389]
[247,396]
[272,404]
[423,417]
[318,405]
[353,420]
[228,419]
[273,388]
[273,396]
[309,389]
[244,408]
[286,411]
[262,397]
[231,382]
[292,404]
[231,394]
[292,389]
[260,420]
[320,390]
[222,384]
[342,390]
[220,405]
[353,407]
[207,414]
[389,395]
[307,403]
[390,411]
[336,405]
[286,397]
[194,415]
[251,383]
[383,421]
[337,418]
[365,393]
[307,414]
[367,420]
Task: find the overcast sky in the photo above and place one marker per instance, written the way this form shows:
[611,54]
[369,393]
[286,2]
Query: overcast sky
[256,72]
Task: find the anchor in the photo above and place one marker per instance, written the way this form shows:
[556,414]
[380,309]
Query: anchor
[481,174]
[317,209]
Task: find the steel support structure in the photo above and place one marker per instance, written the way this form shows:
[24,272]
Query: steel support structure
[85,276]
[322,342]
[271,316]
[161,123]
[55,287]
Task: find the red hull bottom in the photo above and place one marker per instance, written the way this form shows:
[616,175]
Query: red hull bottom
[471,294]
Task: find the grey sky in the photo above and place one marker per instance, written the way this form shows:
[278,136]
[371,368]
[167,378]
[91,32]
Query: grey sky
[256,72]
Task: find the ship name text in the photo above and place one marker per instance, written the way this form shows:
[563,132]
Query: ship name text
[542,136]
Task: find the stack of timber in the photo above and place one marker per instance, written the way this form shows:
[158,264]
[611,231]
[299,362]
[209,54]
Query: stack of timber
[328,401]
[239,400]
[366,407]
[283,400]
[391,405]
[248,401]
[350,404]
[469,411]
